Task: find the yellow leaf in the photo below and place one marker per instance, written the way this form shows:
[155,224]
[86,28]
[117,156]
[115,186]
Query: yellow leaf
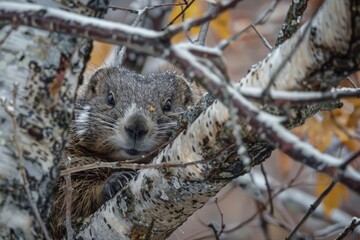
[318,135]
[354,117]
[195,10]
[352,145]
[334,199]
[219,26]
[335,123]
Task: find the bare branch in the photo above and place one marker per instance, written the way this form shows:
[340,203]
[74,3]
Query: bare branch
[312,208]
[350,159]
[135,166]
[120,56]
[56,20]
[204,28]
[187,25]
[291,197]
[268,188]
[148,8]
[350,228]
[68,200]
[260,20]
[182,13]
[266,14]
[114,8]
[281,98]
[262,38]
[352,135]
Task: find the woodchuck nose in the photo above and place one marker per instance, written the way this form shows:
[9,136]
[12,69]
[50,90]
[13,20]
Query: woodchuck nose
[119,115]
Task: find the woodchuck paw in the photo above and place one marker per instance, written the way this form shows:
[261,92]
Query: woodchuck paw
[116,182]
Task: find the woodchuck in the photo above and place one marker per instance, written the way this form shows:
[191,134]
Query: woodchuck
[119,115]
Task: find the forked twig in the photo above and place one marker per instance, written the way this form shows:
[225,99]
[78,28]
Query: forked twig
[312,208]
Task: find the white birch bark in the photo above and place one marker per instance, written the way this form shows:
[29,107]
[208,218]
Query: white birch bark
[47,66]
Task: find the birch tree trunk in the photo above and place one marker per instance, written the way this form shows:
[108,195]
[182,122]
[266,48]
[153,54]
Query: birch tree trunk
[46,67]
[162,197]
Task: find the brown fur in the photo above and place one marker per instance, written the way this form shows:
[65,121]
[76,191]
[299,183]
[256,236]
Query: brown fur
[95,122]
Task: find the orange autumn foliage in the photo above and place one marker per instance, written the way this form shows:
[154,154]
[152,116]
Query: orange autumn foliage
[321,131]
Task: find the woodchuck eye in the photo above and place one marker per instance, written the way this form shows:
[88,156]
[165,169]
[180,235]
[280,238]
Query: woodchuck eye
[110,99]
[167,106]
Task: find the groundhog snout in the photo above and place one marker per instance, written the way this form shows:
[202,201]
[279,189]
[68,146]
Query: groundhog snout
[136,127]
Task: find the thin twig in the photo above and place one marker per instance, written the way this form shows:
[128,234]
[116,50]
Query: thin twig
[177,16]
[123,9]
[312,208]
[349,159]
[222,227]
[280,190]
[213,228]
[68,201]
[268,188]
[133,166]
[120,56]
[186,31]
[281,98]
[350,228]
[259,21]
[244,223]
[328,232]
[204,28]
[149,8]
[220,7]
[262,38]
[277,222]
[353,84]
[343,129]
[263,223]
[263,18]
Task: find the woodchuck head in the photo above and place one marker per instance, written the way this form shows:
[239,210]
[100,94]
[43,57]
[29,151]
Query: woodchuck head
[123,115]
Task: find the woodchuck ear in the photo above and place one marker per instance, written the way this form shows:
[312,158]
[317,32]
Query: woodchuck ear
[95,80]
[187,97]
